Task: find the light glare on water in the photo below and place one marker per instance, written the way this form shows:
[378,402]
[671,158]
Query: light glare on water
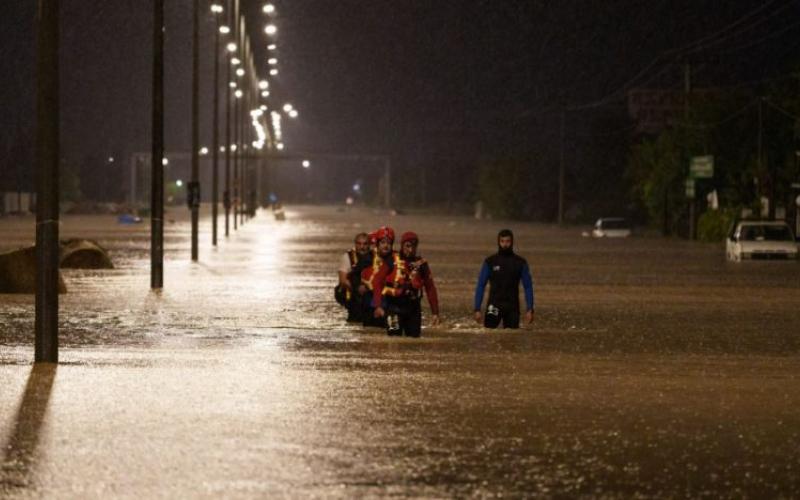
[653,369]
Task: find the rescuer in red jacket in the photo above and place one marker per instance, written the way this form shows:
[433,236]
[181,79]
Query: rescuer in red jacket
[381,259]
[401,284]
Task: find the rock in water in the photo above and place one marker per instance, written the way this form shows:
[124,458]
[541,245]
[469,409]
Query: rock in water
[18,272]
[84,254]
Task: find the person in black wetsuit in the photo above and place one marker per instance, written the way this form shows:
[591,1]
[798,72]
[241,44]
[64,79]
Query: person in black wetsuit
[504,271]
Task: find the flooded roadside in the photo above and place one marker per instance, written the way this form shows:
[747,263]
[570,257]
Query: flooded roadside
[654,368]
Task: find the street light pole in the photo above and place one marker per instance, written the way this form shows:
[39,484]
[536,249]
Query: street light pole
[194,185]
[226,197]
[562,168]
[157,181]
[237,30]
[215,133]
[47,211]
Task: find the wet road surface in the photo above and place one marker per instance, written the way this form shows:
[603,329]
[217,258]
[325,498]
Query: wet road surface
[654,368]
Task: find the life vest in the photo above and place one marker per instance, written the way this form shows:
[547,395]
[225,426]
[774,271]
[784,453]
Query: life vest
[406,279]
[369,272]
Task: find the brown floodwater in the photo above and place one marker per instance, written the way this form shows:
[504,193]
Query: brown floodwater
[654,368]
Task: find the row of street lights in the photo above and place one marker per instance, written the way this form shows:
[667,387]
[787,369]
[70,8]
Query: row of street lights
[246,93]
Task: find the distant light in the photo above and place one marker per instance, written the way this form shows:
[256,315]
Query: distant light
[272,61]
[179,183]
[238,94]
[265,93]
[235,61]
[356,187]
[263,107]
[224,30]
[271,29]
[273,71]
[233,147]
[240,72]
[164,161]
[232,85]
[204,150]
[279,146]
[306,164]
[272,46]
[287,107]
[263,84]
[231,47]
[216,8]
[110,159]
[222,149]
[293,113]
[269,9]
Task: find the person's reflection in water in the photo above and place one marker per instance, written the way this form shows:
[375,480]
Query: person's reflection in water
[19,450]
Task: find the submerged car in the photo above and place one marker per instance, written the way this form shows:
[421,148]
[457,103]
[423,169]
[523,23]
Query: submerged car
[611,227]
[760,240]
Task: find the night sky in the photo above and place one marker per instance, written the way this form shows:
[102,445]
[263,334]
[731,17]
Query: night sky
[429,82]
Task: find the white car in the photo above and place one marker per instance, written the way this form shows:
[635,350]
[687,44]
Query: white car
[760,240]
[611,227]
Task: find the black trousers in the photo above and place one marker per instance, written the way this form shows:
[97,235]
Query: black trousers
[408,312]
[368,312]
[508,315]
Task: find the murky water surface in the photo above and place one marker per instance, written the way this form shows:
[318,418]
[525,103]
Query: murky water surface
[654,368]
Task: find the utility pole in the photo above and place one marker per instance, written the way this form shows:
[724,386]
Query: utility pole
[226,195]
[687,89]
[215,135]
[194,185]
[157,181]
[47,206]
[759,153]
[562,167]
[237,151]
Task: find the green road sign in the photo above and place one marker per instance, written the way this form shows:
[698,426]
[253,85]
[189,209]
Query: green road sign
[702,167]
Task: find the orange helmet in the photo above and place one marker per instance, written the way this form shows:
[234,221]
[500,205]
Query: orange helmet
[409,236]
[384,232]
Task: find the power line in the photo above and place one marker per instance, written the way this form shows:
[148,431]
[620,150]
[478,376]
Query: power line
[720,122]
[781,110]
[670,53]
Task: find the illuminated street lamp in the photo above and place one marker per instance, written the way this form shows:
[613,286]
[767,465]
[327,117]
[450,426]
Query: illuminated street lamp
[293,113]
[203,151]
[238,94]
[272,46]
[265,93]
[271,30]
[306,164]
[240,72]
[217,9]
[272,61]
[279,146]
[235,61]
[269,9]
[287,107]
[263,85]
[231,47]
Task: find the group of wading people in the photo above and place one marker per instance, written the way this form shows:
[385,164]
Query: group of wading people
[384,288]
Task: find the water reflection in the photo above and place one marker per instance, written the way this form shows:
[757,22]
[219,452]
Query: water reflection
[20,450]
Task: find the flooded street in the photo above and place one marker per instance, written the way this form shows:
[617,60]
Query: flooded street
[653,369]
